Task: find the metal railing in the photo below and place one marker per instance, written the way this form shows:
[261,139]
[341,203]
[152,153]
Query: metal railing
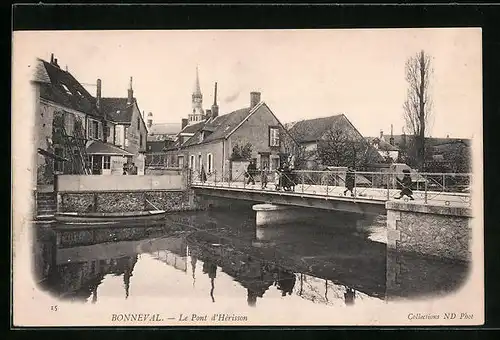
[444,188]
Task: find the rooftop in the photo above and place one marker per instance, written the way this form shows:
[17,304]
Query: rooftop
[62,88]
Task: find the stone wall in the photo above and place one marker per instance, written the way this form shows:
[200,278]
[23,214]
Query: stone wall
[439,231]
[114,202]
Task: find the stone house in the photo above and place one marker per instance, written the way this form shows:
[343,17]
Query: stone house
[317,133]
[69,132]
[125,127]
[211,144]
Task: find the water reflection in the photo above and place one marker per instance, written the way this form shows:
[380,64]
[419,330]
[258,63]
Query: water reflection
[214,256]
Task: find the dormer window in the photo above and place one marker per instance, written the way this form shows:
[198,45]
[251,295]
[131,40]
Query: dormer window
[66,89]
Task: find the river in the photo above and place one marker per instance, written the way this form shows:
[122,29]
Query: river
[336,259]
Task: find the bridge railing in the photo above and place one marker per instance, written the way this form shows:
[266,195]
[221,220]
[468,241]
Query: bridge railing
[444,187]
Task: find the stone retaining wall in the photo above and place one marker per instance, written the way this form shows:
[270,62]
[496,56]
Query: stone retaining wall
[439,231]
[115,202]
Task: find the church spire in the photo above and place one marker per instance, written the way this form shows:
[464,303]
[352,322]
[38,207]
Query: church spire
[197,89]
[198,113]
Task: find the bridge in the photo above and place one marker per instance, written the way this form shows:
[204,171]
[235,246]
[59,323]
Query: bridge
[325,189]
[436,222]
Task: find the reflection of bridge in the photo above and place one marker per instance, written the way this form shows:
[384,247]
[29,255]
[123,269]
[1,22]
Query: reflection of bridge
[325,189]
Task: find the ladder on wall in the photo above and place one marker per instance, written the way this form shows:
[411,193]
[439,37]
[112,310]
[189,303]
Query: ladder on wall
[77,142]
[75,147]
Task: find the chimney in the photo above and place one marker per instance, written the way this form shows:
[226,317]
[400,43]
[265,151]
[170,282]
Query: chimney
[381,135]
[215,107]
[55,63]
[391,140]
[130,92]
[254,99]
[150,119]
[52,58]
[184,123]
[98,94]
[208,114]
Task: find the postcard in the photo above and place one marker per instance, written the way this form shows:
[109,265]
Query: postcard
[325,177]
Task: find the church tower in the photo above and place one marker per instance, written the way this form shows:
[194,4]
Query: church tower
[197,114]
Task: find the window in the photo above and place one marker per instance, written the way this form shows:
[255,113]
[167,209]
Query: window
[126,136]
[69,123]
[210,163]
[200,161]
[66,89]
[192,162]
[140,140]
[138,123]
[94,129]
[107,162]
[274,137]
[108,133]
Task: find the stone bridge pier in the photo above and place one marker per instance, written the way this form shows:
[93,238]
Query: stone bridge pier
[439,231]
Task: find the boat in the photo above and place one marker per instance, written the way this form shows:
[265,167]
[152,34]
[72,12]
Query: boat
[108,218]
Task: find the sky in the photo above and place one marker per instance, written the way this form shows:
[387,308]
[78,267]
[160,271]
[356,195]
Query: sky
[301,74]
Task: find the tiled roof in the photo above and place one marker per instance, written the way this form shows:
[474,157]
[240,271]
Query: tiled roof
[220,127]
[192,128]
[155,146]
[165,129]
[311,130]
[382,144]
[117,109]
[96,147]
[430,141]
[62,88]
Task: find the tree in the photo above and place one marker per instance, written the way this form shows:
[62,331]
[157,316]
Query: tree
[241,152]
[339,148]
[292,149]
[418,104]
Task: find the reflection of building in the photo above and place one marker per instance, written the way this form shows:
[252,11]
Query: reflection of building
[412,276]
[174,253]
[79,280]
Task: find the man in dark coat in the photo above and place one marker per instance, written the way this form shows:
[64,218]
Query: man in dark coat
[203,174]
[251,169]
[349,182]
[406,182]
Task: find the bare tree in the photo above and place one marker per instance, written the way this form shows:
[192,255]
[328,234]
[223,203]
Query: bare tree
[339,148]
[418,104]
[292,149]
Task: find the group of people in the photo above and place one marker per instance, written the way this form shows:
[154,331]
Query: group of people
[252,172]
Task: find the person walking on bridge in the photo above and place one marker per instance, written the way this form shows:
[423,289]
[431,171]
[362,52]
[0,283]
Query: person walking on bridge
[263,176]
[349,181]
[251,169]
[406,182]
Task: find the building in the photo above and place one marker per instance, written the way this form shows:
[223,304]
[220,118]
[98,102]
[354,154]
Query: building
[215,142]
[70,128]
[387,150]
[125,128]
[442,154]
[332,141]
